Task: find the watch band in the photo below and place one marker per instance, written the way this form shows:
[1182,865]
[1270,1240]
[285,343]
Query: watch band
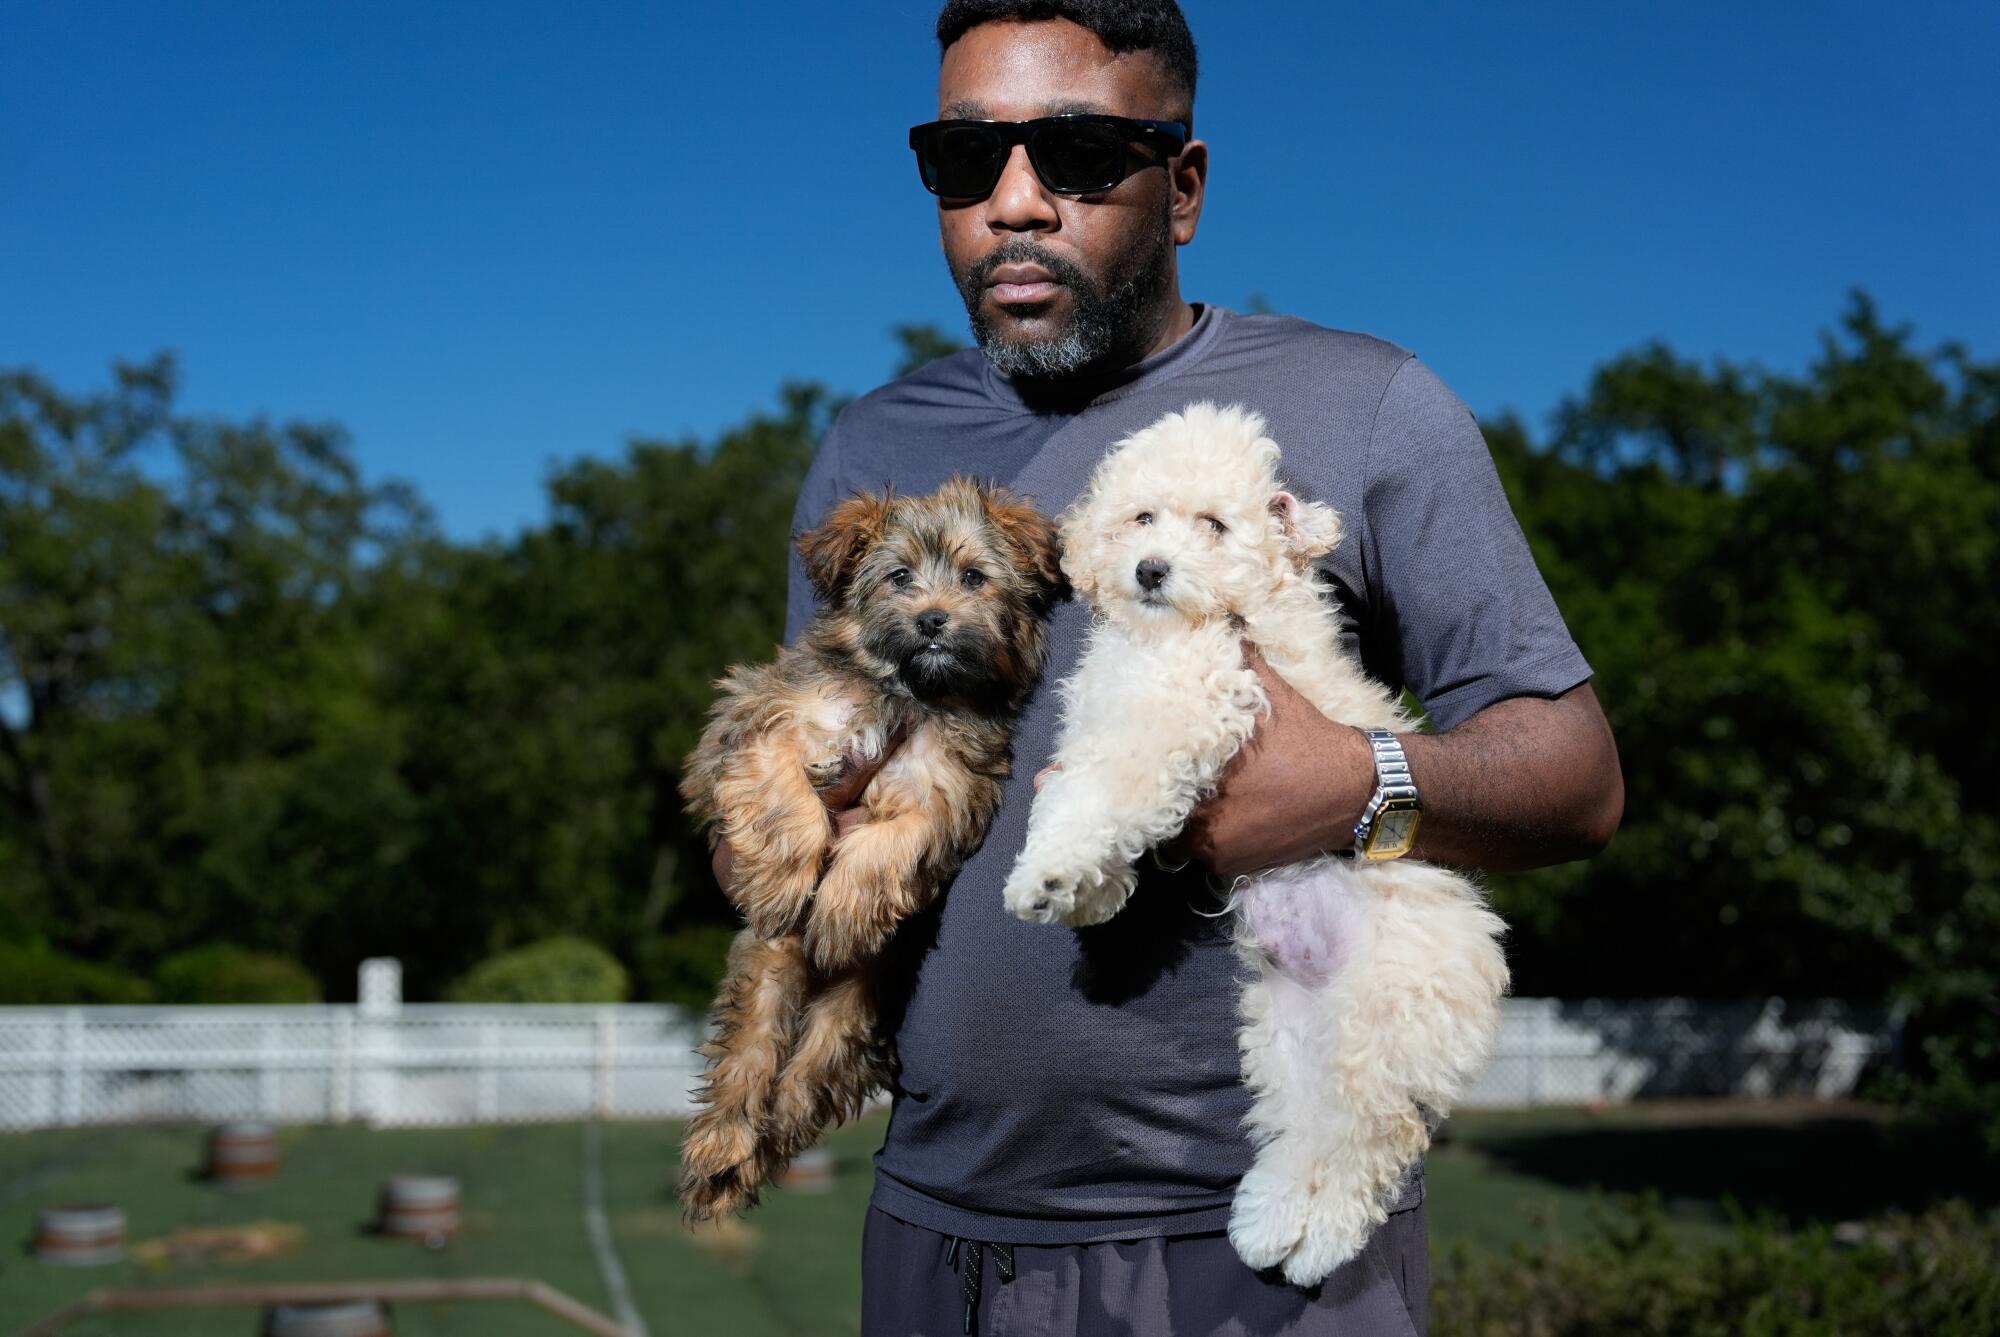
[1393,784]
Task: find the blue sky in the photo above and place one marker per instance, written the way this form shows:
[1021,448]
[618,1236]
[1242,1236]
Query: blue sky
[490,236]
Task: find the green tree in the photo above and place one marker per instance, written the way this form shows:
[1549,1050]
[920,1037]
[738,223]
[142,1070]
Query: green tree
[1785,583]
[193,743]
[553,684]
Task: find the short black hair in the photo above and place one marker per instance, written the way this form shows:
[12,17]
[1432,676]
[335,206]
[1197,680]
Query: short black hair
[1157,26]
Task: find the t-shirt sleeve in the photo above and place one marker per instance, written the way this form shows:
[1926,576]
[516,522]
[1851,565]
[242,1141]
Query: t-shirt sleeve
[1456,599]
[817,496]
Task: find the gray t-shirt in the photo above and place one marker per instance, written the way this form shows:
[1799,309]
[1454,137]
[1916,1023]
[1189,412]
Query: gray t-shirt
[1064,1087]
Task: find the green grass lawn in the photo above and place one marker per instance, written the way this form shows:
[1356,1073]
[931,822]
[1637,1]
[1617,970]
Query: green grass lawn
[791,1267]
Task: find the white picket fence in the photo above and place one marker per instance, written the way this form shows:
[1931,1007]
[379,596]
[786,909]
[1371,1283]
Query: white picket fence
[477,1063]
[440,1064]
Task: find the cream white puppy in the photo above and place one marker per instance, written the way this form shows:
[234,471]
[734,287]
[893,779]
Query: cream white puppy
[1373,989]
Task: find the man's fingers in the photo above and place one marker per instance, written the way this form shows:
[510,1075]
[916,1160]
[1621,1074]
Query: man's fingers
[859,770]
[841,794]
[848,818]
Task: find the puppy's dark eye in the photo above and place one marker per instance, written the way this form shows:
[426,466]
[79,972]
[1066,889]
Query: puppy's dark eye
[1215,524]
[972,578]
[900,577]
[1143,518]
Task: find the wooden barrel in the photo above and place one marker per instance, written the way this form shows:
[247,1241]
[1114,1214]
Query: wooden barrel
[811,1171]
[81,1236]
[348,1318]
[420,1207]
[242,1152]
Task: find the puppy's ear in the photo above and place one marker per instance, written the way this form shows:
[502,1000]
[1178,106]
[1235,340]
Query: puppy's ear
[1307,529]
[832,551]
[1030,535]
[1079,549]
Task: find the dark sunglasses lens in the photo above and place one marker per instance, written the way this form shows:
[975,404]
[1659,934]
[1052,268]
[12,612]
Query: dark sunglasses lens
[961,160]
[1079,158]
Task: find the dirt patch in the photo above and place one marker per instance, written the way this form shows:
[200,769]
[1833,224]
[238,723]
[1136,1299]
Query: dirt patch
[222,1244]
[729,1242]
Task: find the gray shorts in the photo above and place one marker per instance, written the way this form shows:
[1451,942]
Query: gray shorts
[918,1283]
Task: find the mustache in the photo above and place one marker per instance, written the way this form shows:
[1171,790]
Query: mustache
[1020,251]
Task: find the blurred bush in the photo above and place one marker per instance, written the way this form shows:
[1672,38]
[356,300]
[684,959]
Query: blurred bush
[1933,1275]
[684,967]
[225,973]
[33,975]
[557,970]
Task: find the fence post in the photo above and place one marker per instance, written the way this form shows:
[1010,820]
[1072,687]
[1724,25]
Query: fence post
[72,1067]
[601,1086]
[1538,1055]
[489,1073]
[267,1070]
[340,1082]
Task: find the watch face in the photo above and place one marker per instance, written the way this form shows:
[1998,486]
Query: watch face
[1395,831]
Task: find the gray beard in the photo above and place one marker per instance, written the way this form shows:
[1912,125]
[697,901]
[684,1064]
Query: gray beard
[1105,324]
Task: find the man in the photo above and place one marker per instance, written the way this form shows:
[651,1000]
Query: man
[1067,1129]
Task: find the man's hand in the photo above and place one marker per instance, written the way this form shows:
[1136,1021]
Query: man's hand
[1295,790]
[842,798]
[1526,782]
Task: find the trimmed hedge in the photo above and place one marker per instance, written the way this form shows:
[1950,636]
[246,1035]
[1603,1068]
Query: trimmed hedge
[1934,1275]
[33,975]
[556,970]
[224,973]
[685,966]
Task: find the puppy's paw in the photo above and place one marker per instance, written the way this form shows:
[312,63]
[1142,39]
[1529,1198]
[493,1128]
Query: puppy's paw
[825,771]
[1268,1217]
[1048,892]
[720,1167]
[706,1197]
[1096,899]
[841,936]
[1040,898]
[1319,1253]
[1342,1212]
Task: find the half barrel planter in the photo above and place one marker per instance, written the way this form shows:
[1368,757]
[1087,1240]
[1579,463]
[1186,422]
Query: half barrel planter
[87,1235]
[348,1318]
[243,1153]
[420,1207]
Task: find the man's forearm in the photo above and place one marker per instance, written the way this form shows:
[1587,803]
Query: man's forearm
[1526,782]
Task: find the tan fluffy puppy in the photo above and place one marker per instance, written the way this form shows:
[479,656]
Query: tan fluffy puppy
[932,633]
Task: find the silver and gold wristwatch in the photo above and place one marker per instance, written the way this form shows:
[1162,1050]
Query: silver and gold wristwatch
[1388,825]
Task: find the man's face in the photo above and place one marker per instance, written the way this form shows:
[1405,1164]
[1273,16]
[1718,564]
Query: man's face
[1058,284]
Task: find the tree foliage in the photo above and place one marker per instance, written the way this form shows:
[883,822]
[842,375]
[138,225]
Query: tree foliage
[248,697]
[1785,584]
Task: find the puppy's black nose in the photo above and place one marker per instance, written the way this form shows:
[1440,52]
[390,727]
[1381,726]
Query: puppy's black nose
[1152,573]
[931,621]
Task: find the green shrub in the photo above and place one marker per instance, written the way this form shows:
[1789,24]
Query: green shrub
[225,973]
[1934,1275]
[685,966]
[556,970]
[34,975]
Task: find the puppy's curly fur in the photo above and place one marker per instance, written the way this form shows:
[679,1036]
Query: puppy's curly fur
[1373,989]
[933,633]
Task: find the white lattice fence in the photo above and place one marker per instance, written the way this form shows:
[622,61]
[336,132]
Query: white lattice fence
[1573,1052]
[443,1064]
[465,1063]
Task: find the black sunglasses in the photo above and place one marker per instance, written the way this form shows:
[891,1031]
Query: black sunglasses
[1073,155]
